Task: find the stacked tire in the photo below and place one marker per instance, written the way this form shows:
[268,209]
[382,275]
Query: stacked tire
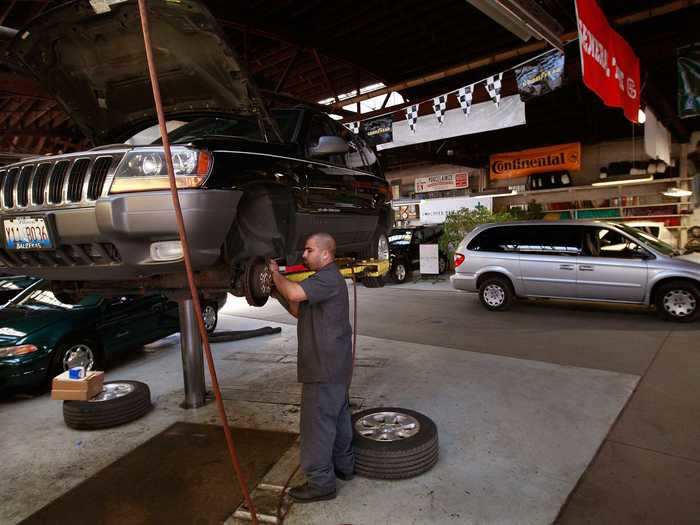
[393,443]
[119,402]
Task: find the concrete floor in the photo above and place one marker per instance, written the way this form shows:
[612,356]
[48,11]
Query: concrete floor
[526,403]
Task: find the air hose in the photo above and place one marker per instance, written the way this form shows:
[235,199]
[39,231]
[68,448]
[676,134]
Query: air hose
[143,12]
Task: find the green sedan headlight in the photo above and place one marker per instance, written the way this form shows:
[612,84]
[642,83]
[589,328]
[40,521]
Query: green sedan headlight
[14,351]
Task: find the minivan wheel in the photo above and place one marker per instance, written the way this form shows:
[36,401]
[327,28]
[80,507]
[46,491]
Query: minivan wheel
[496,294]
[678,301]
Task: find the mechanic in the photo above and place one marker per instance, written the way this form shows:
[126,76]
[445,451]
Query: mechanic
[324,367]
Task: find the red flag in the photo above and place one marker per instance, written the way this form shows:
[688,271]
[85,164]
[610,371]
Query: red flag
[610,67]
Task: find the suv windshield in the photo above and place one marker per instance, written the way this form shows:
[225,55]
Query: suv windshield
[645,238]
[241,127]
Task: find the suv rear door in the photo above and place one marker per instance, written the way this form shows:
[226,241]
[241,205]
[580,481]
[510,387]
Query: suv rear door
[548,259]
[613,267]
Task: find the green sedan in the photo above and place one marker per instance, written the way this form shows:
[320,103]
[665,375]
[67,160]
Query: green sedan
[41,337]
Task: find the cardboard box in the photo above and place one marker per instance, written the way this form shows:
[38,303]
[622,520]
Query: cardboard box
[83,389]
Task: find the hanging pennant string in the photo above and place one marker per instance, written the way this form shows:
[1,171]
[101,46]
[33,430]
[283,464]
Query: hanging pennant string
[471,85]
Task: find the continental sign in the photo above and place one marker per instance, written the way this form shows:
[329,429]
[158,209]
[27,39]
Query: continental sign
[538,160]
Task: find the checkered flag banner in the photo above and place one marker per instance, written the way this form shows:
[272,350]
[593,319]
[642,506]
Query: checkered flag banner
[353,126]
[439,107]
[493,86]
[412,117]
[464,95]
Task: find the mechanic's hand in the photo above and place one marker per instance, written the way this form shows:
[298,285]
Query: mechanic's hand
[273,266]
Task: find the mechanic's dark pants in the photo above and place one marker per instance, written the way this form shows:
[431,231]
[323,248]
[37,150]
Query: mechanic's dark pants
[326,433]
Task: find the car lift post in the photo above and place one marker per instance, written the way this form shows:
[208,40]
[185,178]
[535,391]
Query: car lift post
[192,357]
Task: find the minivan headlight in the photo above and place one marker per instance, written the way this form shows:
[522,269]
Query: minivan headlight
[145,169]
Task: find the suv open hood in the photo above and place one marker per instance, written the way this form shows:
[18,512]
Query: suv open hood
[95,64]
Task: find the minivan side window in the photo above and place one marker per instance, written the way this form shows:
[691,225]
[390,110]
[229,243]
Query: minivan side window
[551,240]
[541,240]
[604,242]
[498,239]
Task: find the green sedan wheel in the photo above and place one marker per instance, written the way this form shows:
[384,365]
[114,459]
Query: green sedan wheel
[76,353]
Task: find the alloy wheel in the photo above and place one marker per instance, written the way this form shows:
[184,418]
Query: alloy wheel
[79,355]
[383,248]
[400,272]
[209,316]
[387,426]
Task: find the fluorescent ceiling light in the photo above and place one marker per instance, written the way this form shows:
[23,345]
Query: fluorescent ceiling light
[523,18]
[623,181]
[497,194]
[677,192]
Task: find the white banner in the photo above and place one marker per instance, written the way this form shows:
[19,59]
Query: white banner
[485,116]
[429,259]
[434,211]
[452,181]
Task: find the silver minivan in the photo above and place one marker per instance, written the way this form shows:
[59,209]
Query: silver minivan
[591,260]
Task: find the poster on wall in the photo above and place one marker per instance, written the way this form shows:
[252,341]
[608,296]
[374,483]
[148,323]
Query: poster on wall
[452,181]
[435,211]
[609,66]
[379,130]
[406,212]
[689,81]
[537,160]
[540,76]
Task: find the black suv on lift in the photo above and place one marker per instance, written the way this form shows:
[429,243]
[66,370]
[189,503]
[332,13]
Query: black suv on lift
[253,184]
[404,249]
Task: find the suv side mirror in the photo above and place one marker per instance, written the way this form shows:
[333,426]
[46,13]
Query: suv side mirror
[329,145]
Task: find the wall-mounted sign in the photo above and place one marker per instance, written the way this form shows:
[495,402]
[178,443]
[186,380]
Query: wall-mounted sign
[379,130]
[452,181]
[435,211]
[538,160]
[540,76]
[406,212]
[609,66]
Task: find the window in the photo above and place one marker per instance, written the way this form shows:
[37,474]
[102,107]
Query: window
[500,239]
[543,240]
[604,242]
[551,240]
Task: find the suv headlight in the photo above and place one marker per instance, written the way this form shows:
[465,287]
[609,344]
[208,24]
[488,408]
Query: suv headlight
[145,169]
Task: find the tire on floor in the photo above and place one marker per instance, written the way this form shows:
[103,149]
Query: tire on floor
[393,443]
[119,402]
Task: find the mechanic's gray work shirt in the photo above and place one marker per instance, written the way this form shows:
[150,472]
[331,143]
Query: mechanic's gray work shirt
[323,330]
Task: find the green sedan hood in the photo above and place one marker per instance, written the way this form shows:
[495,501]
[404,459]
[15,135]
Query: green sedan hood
[18,323]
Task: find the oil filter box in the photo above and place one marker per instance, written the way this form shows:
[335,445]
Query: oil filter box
[63,387]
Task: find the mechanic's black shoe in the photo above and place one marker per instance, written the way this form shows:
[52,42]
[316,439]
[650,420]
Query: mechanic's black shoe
[343,476]
[306,494]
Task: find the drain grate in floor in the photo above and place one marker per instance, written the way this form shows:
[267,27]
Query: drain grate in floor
[182,475]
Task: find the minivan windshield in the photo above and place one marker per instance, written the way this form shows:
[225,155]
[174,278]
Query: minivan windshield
[649,240]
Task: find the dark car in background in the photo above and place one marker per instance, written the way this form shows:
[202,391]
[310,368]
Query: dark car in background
[40,336]
[404,249]
[252,183]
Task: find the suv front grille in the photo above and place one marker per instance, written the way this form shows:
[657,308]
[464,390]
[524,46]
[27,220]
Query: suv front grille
[76,179]
[23,185]
[57,181]
[8,198]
